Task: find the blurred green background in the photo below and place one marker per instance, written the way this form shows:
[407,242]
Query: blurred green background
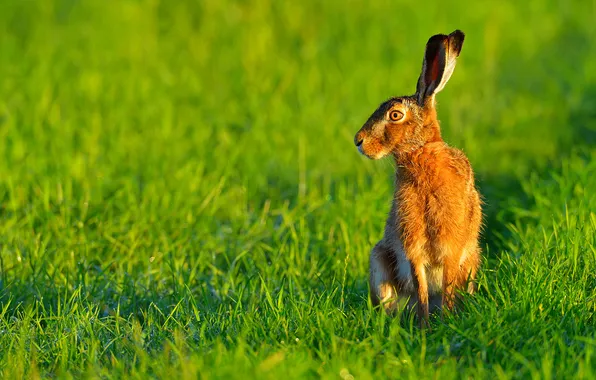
[178,183]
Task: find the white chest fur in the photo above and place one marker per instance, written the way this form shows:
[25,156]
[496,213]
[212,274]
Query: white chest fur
[434,275]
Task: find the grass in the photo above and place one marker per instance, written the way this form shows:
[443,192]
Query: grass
[180,194]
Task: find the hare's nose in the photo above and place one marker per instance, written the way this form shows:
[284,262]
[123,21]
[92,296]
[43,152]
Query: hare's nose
[358,140]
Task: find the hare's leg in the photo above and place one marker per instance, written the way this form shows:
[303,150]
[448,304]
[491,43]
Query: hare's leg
[471,259]
[383,286]
[451,274]
[469,268]
[419,277]
[459,272]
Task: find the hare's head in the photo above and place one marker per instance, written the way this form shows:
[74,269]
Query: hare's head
[406,123]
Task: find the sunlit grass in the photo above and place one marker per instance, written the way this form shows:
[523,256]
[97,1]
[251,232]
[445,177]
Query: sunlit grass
[180,194]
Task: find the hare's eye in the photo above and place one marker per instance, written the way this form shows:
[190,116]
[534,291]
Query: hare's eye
[395,115]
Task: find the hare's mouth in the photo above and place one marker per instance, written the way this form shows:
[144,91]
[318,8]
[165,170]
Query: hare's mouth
[373,154]
[370,147]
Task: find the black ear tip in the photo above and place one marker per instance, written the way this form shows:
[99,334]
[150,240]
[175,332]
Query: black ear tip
[456,39]
[437,40]
[458,34]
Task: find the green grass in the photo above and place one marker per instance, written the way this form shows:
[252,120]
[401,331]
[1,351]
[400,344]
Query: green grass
[180,194]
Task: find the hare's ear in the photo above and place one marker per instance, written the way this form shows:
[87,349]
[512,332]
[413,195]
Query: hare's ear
[439,61]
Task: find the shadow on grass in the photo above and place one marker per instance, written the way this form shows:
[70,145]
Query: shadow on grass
[555,65]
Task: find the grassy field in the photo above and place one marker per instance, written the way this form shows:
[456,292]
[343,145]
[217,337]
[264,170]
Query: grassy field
[180,194]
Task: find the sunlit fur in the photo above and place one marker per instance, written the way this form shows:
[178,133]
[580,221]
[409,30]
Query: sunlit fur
[430,246]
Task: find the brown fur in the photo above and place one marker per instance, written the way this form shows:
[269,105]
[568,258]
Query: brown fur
[430,246]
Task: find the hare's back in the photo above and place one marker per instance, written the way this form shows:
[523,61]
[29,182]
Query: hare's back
[460,164]
[442,166]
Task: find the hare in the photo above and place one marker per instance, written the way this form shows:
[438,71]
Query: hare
[430,245]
